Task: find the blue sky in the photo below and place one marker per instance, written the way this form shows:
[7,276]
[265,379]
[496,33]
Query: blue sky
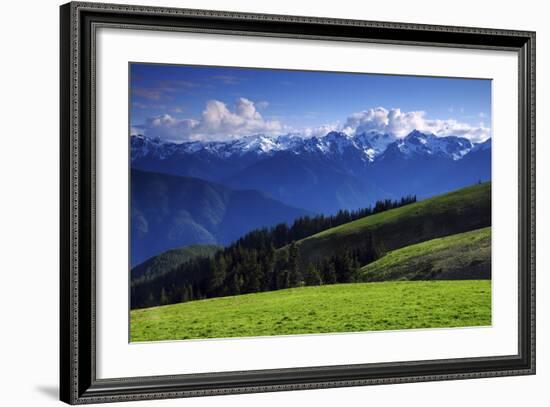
[180,102]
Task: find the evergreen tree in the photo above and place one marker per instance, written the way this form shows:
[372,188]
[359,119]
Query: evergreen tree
[252,271]
[294,275]
[313,277]
[355,267]
[281,270]
[218,271]
[184,294]
[342,262]
[235,283]
[328,272]
[283,279]
[268,269]
[164,297]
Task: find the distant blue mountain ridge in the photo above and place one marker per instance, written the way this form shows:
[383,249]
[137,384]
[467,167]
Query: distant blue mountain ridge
[324,174]
[169,212]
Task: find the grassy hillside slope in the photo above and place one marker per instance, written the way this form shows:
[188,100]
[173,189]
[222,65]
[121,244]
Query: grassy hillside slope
[331,308]
[463,256]
[169,260]
[455,212]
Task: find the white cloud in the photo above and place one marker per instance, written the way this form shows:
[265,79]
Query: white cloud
[262,104]
[217,122]
[177,109]
[451,127]
[402,123]
[383,120]
[165,127]
[320,131]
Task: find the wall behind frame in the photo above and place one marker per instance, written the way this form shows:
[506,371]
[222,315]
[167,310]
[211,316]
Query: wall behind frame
[29,209]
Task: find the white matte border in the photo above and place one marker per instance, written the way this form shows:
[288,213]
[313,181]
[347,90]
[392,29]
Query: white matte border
[117,358]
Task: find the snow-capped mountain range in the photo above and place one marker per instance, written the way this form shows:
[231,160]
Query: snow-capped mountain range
[369,146]
[324,174]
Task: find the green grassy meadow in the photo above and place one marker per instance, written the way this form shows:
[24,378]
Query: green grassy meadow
[457,257]
[353,307]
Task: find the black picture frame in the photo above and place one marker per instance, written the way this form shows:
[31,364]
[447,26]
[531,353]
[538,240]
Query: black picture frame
[78,382]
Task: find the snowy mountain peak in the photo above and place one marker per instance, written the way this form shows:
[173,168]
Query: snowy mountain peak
[337,135]
[485,145]
[368,146]
[418,135]
[377,141]
[417,143]
[338,141]
[258,144]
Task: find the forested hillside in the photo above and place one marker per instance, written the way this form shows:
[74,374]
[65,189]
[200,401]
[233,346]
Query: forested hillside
[317,250]
[262,260]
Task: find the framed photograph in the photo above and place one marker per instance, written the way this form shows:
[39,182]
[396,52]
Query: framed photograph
[255,203]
